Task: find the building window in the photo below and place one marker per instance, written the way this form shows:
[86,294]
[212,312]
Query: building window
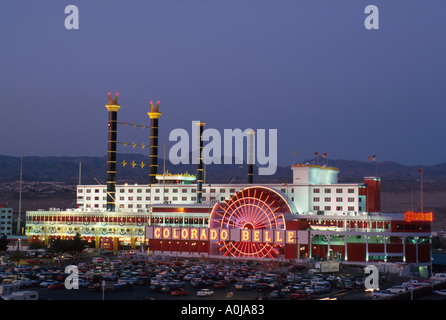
[316,199]
[316,190]
[338,199]
[338,190]
[351,208]
[338,208]
[327,190]
[351,199]
[327,199]
[327,208]
[315,207]
[351,190]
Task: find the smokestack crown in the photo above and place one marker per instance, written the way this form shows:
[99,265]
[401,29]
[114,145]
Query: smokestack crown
[113,103]
[154,111]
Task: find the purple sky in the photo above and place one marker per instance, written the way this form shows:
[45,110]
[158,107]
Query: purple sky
[308,68]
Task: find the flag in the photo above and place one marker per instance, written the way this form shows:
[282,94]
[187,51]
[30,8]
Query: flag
[324,155]
[420,171]
[316,153]
[372,158]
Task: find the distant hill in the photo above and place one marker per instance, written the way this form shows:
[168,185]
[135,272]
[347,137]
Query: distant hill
[395,177]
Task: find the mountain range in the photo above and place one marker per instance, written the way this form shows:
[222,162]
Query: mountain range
[394,176]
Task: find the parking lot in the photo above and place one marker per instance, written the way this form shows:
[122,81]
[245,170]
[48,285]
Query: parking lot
[124,276]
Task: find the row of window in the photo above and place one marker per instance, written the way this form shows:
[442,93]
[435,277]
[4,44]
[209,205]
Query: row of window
[127,206]
[328,199]
[338,208]
[158,190]
[156,198]
[205,190]
[338,190]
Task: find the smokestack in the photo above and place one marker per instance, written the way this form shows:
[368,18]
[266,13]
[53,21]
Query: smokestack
[112,108]
[154,115]
[200,164]
[251,156]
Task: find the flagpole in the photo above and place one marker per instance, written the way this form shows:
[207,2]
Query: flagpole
[421,171]
[20,192]
[376,163]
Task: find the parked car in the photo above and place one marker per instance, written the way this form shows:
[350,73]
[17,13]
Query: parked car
[348,284]
[220,285]
[83,283]
[180,292]
[397,289]
[205,293]
[46,283]
[276,294]
[242,286]
[299,295]
[56,286]
[441,292]
[381,293]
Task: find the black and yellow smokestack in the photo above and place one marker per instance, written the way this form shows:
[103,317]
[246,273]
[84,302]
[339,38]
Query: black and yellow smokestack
[112,108]
[154,115]
[200,164]
[251,156]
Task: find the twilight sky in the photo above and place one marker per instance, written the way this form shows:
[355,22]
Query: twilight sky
[308,68]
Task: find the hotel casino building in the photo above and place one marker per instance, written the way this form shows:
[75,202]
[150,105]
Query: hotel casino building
[179,215]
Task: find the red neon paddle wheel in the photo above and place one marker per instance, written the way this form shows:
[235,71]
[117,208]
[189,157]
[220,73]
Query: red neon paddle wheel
[251,208]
